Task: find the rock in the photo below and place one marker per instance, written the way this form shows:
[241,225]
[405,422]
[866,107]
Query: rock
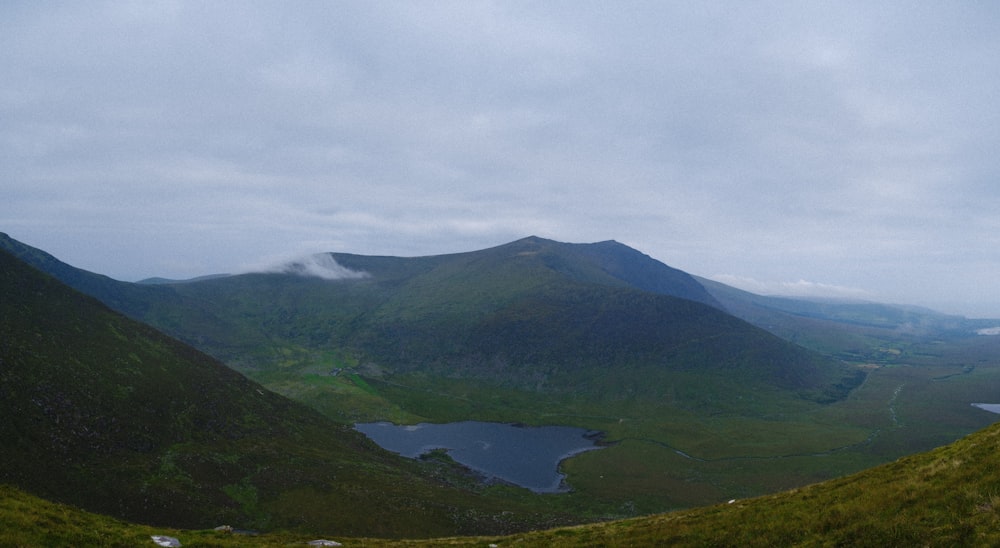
[224,529]
[163,540]
[322,542]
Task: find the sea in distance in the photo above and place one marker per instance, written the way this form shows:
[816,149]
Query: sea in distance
[527,456]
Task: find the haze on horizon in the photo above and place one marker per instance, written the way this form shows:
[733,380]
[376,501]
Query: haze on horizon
[831,149]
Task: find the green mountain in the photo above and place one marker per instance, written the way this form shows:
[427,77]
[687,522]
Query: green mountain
[110,415]
[531,315]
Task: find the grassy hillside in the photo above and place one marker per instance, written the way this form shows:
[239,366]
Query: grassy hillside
[945,497]
[531,315]
[110,415]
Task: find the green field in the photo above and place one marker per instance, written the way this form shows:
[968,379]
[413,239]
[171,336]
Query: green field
[661,456]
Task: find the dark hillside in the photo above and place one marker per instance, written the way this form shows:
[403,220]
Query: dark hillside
[643,272]
[110,415]
[130,299]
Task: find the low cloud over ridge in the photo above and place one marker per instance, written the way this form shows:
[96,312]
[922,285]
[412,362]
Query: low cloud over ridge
[321,265]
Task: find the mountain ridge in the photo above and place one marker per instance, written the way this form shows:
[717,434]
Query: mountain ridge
[533,314]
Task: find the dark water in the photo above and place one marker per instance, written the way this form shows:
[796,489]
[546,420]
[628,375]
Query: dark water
[525,456]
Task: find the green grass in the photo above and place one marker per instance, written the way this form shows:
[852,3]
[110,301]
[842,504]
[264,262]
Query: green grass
[946,497]
[738,454]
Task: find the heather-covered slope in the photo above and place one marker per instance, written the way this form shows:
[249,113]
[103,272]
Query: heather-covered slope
[945,497]
[110,415]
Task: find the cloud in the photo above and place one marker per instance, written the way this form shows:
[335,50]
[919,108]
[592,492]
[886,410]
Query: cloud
[800,288]
[779,141]
[320,265]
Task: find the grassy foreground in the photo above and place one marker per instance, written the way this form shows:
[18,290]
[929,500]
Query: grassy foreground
[946,497]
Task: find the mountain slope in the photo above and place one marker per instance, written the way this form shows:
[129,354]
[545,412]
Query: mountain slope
[109,414]
[945,497]
[854,331]
[532,313]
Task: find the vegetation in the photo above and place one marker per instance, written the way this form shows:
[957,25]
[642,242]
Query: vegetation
[698,407]
[110,415]
[946,497]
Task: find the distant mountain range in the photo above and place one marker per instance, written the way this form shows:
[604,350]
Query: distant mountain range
[533,314]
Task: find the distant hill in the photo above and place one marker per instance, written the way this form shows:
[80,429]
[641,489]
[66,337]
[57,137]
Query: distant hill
[533,314]
[847,329]
[112,416]
[163,281]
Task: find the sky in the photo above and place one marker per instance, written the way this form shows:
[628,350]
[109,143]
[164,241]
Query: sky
[835,149]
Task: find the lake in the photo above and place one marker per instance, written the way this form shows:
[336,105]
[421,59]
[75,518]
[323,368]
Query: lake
[527,456]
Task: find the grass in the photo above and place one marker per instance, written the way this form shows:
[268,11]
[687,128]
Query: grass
[735,455]
[949,496]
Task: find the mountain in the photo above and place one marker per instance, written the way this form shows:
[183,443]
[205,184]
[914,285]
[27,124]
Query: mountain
[112,416]
[532,314]
[162,281]
[597,336]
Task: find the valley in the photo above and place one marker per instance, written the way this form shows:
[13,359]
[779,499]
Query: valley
[704,394]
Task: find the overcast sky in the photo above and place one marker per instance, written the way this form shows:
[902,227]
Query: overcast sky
[836,148]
